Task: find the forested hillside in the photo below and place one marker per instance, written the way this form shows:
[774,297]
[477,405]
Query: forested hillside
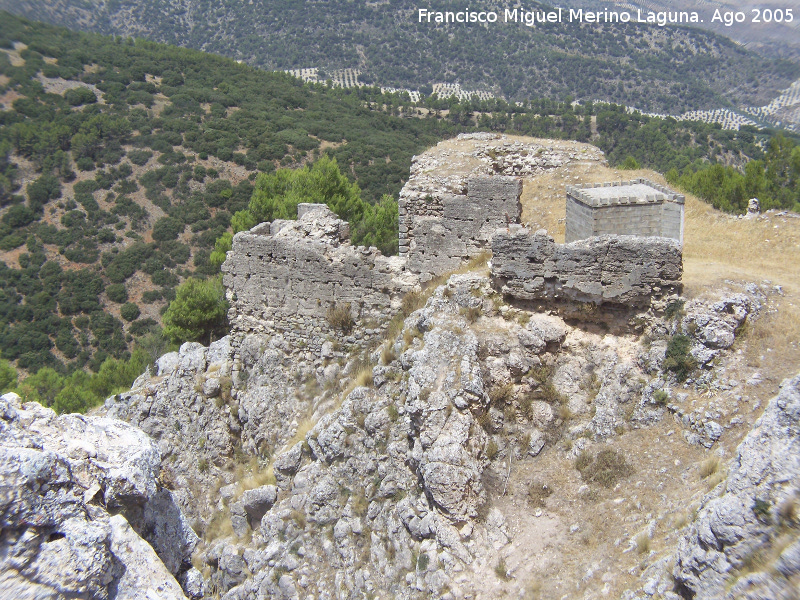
[122,163]
[655,69]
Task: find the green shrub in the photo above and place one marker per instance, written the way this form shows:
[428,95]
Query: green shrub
[674,310]
[80,95]
[139,157]
[116,292]
[677,358]
[129,311]
[8,376]
[167,228]
[198,312]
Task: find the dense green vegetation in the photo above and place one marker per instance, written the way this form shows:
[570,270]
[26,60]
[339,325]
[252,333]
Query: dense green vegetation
[79,391]
[141,160]
[632,64]
[140,163]
[774,180]
[198,313]
[276,196]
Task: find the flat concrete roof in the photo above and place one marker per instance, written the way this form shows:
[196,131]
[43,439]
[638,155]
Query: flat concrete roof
[637,190]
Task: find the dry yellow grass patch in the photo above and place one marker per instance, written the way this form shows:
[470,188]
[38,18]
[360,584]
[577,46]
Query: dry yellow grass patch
[252,475]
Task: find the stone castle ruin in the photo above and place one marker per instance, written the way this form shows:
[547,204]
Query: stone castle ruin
[305,280]
[439,231]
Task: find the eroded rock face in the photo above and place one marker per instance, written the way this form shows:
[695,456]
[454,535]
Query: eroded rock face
[59,478]
[383,487]
[744,516]
[191,428]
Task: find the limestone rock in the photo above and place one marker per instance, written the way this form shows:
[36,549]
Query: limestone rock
[58,476]
[741,520]
[258,501]
[144,575]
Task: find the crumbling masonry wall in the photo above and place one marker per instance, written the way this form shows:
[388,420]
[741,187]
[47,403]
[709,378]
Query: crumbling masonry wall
[284,277]
[438,232]
[637,207]
[621,270]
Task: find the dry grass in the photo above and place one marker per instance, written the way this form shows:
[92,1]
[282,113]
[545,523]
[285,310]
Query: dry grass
[388,355]
[361,378]
[340,318]
[642,543]
[251,475]
[709,467]
[501,570]
[303,428]
[500,395]
[220,526]
[717,246]
[538,494]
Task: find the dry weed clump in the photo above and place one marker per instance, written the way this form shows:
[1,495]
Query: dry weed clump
[471,314]
[642,543]
[606,468]
[491,449]
[709,467]
[253,474]
[500,395]
[501,570]
[538,493]
[220,526]
[339,317]
[388,354]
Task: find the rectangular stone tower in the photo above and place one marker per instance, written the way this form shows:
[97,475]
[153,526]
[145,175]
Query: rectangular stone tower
[637,207]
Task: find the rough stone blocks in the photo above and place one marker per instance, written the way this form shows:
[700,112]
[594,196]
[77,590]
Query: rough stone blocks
[620,270]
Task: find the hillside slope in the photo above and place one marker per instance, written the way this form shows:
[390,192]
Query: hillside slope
[122,163]
[655,69]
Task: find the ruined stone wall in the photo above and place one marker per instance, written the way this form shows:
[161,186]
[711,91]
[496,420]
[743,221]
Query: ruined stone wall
[637,207]
[439,231]
[284,276]
[617,270]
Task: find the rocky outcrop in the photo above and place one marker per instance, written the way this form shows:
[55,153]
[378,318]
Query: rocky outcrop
[61,479]
[186,409]
[388,486]
[744,542]
[607,270]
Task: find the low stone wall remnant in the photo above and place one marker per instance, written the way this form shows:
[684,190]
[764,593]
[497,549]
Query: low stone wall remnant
[621,270]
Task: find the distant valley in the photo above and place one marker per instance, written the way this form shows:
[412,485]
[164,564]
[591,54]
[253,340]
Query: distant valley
[634,64]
